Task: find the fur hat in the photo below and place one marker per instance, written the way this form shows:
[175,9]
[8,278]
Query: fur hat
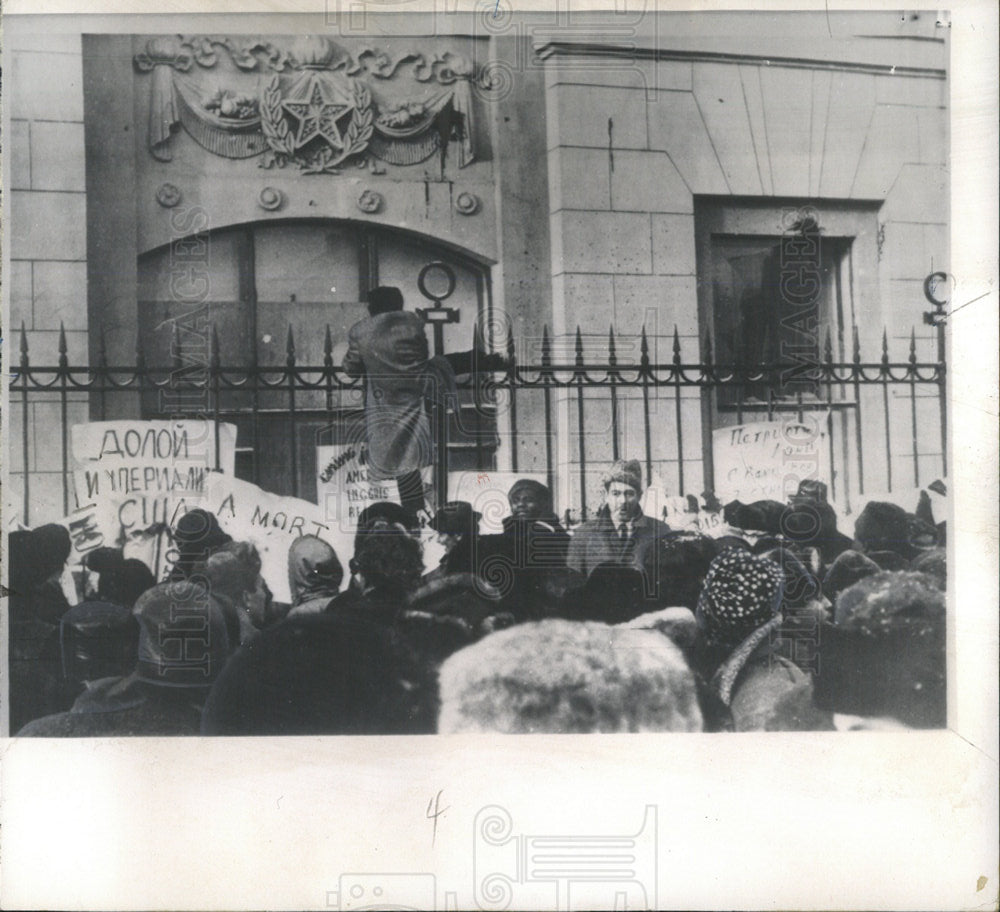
[760,516]
[456,518]
[801,585]
[849,567]
[97,640]
[388,512]
[810,490]
[614,593]
[330,673]
[885,656]
[870,602]
[542,494]
[887,527]
[624,471]
[568,677]
[934,563]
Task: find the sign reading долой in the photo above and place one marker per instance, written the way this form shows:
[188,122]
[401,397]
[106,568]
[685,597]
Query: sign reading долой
[766,460]
[120,459]
[133,479]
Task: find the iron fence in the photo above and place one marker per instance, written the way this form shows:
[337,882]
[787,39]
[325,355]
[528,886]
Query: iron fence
[280,408]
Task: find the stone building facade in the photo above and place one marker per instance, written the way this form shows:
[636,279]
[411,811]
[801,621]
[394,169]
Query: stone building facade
[587,175]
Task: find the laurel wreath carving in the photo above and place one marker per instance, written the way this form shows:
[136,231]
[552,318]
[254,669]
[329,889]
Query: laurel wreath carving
[276,131]
[323,160]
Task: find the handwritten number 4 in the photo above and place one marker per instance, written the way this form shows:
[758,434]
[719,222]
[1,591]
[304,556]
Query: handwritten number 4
[434,810]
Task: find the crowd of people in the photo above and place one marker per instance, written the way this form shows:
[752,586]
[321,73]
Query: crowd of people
[621,624]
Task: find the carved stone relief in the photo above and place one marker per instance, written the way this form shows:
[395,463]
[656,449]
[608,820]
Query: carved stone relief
[315,105]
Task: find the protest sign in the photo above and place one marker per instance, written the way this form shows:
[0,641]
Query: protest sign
[121,459]
[343,485]
[272,522]
[134,479]
[766,460]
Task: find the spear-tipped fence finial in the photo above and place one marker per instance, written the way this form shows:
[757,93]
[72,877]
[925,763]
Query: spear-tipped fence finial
[24,345]
[63,348]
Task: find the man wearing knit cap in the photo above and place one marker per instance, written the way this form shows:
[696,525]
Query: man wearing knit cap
[620,533]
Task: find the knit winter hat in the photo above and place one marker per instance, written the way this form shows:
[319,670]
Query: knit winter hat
[624,471]
[542,494]
[741,592]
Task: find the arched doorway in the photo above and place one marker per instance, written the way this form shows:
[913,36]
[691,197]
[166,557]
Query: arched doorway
[261,284]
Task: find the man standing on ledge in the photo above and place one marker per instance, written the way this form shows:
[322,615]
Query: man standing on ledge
[620,533]
[389,349]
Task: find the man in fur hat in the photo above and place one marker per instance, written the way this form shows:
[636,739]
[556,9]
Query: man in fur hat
[620,533]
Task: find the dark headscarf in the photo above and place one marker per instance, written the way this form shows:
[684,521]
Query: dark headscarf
[50,547]
[313,570]
[197,535]
[124,584]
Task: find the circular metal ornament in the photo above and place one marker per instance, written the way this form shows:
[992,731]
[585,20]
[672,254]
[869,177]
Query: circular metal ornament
[370,201]
[436,273]
[467,203]
[270,198]
[168,195]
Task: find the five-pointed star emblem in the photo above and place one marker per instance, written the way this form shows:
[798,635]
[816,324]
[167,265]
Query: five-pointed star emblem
[318,116]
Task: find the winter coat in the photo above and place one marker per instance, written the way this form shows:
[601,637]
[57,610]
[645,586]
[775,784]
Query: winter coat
[124,706]
[597,542]
[764,690]
[390,351]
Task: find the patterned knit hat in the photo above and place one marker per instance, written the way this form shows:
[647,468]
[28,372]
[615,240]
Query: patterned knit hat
[741,592]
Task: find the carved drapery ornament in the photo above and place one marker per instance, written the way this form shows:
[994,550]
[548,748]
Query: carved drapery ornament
[315,105]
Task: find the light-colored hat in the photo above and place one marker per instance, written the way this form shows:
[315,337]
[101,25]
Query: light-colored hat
[625,471]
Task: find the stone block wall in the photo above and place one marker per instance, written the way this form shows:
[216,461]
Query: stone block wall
[48,256]
[634,143]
